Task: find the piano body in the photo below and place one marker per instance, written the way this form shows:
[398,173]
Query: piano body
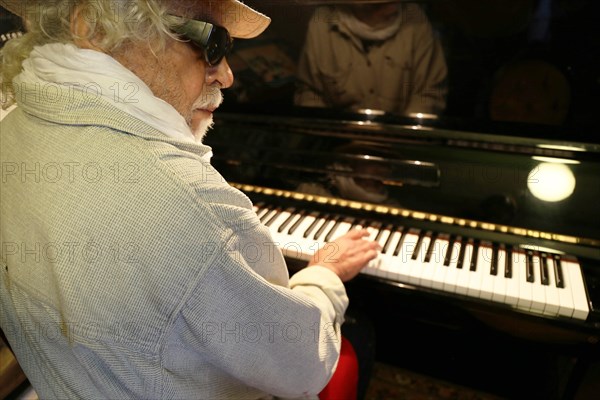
[471,257]
[489,226]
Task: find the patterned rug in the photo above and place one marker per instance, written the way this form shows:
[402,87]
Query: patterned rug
[391,383]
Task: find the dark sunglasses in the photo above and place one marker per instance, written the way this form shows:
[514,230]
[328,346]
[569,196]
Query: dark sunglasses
[214,40]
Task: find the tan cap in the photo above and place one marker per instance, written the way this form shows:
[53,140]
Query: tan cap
[239,19]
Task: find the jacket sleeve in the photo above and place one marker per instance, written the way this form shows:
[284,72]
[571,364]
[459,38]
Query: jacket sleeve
[283,341]
[244,316]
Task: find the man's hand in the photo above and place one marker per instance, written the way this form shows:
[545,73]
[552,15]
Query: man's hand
[347,255]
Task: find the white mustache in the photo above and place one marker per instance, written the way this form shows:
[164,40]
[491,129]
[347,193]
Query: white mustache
[210,98]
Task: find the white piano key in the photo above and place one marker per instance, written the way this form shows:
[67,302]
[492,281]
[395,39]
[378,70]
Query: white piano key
[513,284]
[409,249]
[392,242]
[333,232]
[383,236]
[475,277]
[285,225]
[580,303]
[342,229]
[373,233]
[451,270]
[567,305]
[462,281]
[440,248]
[538,292]
[525,288]
[552,297]
[400,253]
[501,282]
[390,264]
[358,225]
[276,222]
[261,210]
[267,214]
[309,247]
[377,266]
[427,268]
[484,266]
[321,229]
[290,245]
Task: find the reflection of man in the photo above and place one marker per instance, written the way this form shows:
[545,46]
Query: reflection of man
[381,56]
[130,268]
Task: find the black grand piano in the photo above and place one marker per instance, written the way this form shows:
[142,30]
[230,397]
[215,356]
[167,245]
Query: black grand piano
[487,212]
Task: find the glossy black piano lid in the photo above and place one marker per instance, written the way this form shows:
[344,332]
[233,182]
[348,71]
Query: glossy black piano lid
[518,142]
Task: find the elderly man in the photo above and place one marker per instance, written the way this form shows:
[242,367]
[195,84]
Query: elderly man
[130,268]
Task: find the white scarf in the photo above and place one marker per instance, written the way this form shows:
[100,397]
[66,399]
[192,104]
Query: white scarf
[366,32]
[101,75]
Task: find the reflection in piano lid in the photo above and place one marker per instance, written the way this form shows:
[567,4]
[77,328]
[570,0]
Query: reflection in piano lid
[10,27]
[5,37]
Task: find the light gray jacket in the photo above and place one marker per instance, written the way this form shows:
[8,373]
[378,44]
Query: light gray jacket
[131,269]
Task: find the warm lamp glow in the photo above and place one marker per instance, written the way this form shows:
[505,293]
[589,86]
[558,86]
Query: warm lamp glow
[551,182]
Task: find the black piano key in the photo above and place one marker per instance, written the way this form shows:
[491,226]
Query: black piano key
[324,225]
[312,227]
[473,265]
[262,209]
[265,217]
[296,224]
[363,223]
[529,266]
[333,229]
[274,216]
[448,255]
[558,273]
[352,222]
[429,252]
[508,266]
[403,234]
[544,278]
[461,253]
[494,263]
[388,242]
[389,228]
[379,227]
[288,220]
[366,224]
[418,246]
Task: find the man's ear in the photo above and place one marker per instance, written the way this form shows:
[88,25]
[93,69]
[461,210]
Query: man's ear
[81,30]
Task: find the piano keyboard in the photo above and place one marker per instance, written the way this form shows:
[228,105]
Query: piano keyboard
[529,280]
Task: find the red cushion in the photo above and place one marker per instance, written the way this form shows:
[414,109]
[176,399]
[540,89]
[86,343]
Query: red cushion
[344,382]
